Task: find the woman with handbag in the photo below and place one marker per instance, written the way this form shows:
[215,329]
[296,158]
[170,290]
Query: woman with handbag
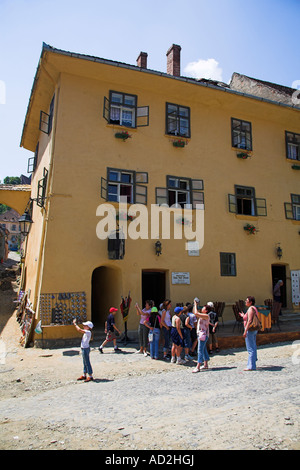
[203,335]
[251,327]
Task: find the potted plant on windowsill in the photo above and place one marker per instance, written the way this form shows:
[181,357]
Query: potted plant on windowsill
[122,135]
[243,155]
[251,229]
[183,221]
[124,216]
[179,143]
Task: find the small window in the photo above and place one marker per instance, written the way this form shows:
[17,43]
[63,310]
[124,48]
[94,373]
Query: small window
[32,161]
[123,184]
[244,202]
[245,198]
[228,264]
[177,120]
[47,119]
[292,141]
[121,109]
[180,192]
[241,134]
[120,184]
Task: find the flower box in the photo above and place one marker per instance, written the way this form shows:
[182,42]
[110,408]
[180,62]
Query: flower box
[251,229]
[179,143]
[122,135]
[124,216]
[183,221]
[243,155]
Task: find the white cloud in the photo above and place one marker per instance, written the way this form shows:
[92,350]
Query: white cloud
[204,69]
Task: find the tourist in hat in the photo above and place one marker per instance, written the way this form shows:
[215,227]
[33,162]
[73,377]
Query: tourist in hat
[110,328]
[153,323]
[85,349]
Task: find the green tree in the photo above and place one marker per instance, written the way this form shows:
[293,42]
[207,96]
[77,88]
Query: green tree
[12,180]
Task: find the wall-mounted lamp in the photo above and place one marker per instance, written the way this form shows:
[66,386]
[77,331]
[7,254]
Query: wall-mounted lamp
[279,251]
[25,222]
[158,248]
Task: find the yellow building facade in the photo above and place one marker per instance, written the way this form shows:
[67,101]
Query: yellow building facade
[232,152]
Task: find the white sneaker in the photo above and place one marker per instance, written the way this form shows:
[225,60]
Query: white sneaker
[180,361]
[173,360]
[145,354]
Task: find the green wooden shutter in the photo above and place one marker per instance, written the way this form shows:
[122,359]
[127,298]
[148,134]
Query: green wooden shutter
[140,194]
[261,207]
[232,203]
[142,116]
[106,109]
[288,207]
[104,188]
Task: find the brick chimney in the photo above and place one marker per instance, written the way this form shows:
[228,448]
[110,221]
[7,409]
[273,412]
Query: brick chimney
[141,61]
[173,60]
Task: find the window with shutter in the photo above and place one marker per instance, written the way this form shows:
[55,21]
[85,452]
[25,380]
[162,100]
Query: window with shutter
[181,192]
[121,109]
[47,119]
[123,184]
[244,202]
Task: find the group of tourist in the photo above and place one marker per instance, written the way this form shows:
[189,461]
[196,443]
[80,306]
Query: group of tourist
[181,332]
[187,328]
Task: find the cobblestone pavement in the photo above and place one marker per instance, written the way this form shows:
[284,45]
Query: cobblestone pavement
[136,403]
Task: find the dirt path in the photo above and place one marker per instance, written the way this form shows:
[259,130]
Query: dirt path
[136,403]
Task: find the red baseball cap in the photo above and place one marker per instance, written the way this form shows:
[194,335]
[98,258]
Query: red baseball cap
[113,309]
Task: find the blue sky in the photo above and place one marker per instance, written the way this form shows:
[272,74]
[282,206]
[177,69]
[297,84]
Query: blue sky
[259,38]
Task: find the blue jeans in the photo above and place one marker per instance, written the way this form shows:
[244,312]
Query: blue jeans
[202,351]
[154,343]
[87,368]
[167,337]
[186,337]
[252,349]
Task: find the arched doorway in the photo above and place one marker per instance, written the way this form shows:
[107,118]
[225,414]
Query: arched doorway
[106,292]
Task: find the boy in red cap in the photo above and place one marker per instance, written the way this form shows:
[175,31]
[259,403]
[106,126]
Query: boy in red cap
[110,328]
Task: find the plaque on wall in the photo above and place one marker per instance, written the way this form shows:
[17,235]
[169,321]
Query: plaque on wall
[180,278]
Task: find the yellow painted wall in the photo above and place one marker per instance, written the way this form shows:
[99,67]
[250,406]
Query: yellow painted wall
[85,146]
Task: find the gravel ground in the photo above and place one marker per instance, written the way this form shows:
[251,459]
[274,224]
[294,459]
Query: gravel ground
[136,403]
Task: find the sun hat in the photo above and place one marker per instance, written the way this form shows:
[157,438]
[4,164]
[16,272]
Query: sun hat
[89,324]
[113,309]
[210,304]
